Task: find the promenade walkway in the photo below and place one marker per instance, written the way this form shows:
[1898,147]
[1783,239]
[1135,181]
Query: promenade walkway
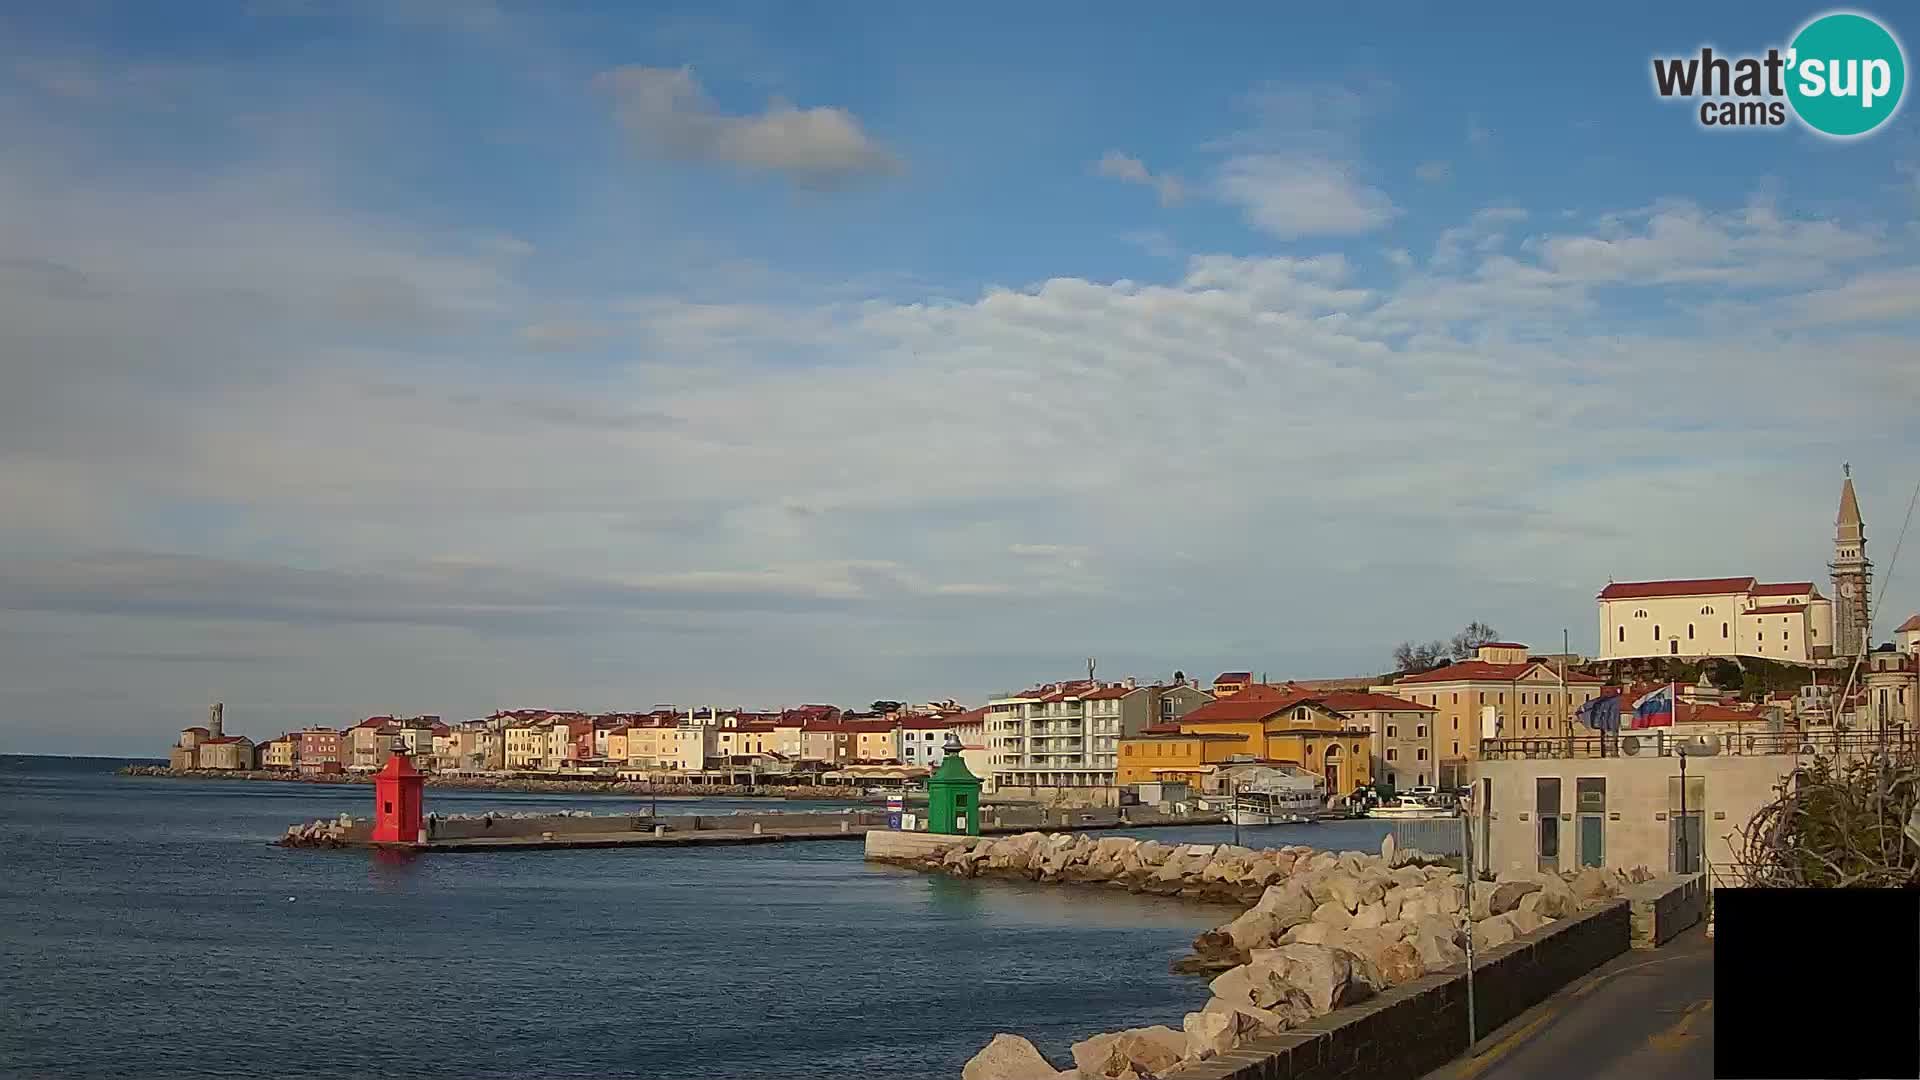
[1647,1015]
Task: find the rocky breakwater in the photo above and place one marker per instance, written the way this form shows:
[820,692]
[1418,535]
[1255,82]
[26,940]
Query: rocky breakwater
[324,833]
[1324,931]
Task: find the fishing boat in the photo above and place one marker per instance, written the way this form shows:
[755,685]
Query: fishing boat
[1279,797]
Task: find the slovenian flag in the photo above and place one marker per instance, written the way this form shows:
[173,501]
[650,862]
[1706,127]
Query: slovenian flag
[1654,709]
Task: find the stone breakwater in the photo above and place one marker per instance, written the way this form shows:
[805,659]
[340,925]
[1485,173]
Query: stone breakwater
[821,792]
[327,832]
[1321,931]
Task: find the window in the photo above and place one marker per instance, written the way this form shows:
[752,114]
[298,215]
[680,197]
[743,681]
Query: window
[1456,748]
[1686,813]
[1393,731]
[1723,631]
[1590,800]
[1392,754]
[1689,631]
[1641,614]
[1656,631]
[1546,805]
[1706,611]
[1420,732]
[1420,754]
[1623,635]
[1456,699]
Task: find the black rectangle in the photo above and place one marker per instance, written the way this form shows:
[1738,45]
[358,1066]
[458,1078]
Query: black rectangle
[1816,983]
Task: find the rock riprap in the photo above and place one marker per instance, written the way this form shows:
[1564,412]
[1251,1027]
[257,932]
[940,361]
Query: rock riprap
[1320,931]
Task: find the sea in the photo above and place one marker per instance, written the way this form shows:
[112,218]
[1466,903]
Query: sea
[148,928]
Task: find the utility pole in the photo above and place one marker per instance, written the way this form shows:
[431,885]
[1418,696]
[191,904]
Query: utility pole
[1466,856]
[1566,726]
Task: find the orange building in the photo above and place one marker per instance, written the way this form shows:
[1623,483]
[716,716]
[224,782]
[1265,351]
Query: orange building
[1259,723]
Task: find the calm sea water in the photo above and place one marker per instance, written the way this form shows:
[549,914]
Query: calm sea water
[147,929]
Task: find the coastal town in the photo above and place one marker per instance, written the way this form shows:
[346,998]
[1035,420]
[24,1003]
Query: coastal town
[1727,666]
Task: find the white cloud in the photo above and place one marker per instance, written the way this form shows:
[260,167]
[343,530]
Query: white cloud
[1302,196]
[667,113]
[299,456]
[1134,171]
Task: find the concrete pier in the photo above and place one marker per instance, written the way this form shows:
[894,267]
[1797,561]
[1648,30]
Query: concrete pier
[640,831]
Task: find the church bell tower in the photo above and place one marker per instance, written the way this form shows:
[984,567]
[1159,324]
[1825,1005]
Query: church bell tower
[1852,574]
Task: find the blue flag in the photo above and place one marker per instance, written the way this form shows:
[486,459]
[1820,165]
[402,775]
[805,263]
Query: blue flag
[1601,714]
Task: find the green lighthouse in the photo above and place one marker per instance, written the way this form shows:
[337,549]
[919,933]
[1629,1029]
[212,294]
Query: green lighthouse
[953,795]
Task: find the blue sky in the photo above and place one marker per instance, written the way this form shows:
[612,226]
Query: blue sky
[439,356]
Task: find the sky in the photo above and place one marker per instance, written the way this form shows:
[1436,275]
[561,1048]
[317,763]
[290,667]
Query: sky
[421,356]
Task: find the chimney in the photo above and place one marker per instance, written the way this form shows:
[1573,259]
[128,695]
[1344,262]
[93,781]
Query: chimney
[1128,682]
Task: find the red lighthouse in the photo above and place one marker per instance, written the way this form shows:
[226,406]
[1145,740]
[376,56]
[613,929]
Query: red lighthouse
[396,802]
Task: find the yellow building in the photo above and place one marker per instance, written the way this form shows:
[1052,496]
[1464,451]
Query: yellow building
[1270,725]
[277,754]
[617,743]
[876,740]
[1499,693]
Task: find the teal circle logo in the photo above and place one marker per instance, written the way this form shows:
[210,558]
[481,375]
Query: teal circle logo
[1846,74]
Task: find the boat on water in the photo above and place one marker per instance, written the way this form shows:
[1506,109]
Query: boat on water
[1411,809]
[1279,797]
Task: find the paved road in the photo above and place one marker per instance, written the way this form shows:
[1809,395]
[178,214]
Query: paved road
[1643,1016]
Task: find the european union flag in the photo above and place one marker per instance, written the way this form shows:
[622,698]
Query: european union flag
[1601,714]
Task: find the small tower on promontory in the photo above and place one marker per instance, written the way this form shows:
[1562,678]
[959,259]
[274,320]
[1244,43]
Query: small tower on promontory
[215,713]
[1852,575]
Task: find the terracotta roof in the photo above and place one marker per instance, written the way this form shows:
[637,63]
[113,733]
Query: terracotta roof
[224,739]
[1108,693]
[971,716]
[929,723]
[1161,729]
[1909,626]
[1645,590]
[1784,588]
[195,730]
[1245,706]
[1364,701]
[1776,609]
[1481,671]
[1234,677]
[1503,645]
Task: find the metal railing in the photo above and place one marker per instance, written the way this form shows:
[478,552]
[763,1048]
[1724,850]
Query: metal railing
[1663,742]
[1435,836]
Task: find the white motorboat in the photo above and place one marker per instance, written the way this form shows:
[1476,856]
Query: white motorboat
[1406,809]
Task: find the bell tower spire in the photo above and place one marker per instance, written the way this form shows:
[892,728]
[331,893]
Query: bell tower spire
[1852,574]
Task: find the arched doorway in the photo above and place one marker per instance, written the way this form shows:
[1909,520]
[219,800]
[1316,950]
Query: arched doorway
[1332,769]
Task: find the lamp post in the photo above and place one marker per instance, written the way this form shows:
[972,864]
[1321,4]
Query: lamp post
[1686,864]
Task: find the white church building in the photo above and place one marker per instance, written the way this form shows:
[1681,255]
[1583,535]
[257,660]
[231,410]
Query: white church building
[1742,616]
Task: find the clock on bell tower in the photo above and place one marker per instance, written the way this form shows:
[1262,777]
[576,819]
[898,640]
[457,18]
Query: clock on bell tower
[1852,574]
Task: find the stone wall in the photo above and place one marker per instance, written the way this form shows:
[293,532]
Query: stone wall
[1412,1029]
[1665,906]
[1321,932]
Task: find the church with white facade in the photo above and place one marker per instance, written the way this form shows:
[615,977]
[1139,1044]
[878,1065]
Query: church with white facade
[1742,616]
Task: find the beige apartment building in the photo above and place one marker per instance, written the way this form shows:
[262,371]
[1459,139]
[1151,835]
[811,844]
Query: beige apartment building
[1404,735]
[1501,692]
[525,743]
[1067,734]
[684,749]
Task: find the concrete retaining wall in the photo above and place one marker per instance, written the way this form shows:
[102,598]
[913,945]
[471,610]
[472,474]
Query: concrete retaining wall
[1665,906]
[1419,1026]
[888,844]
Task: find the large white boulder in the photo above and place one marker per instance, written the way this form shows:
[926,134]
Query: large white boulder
[1010,1057]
